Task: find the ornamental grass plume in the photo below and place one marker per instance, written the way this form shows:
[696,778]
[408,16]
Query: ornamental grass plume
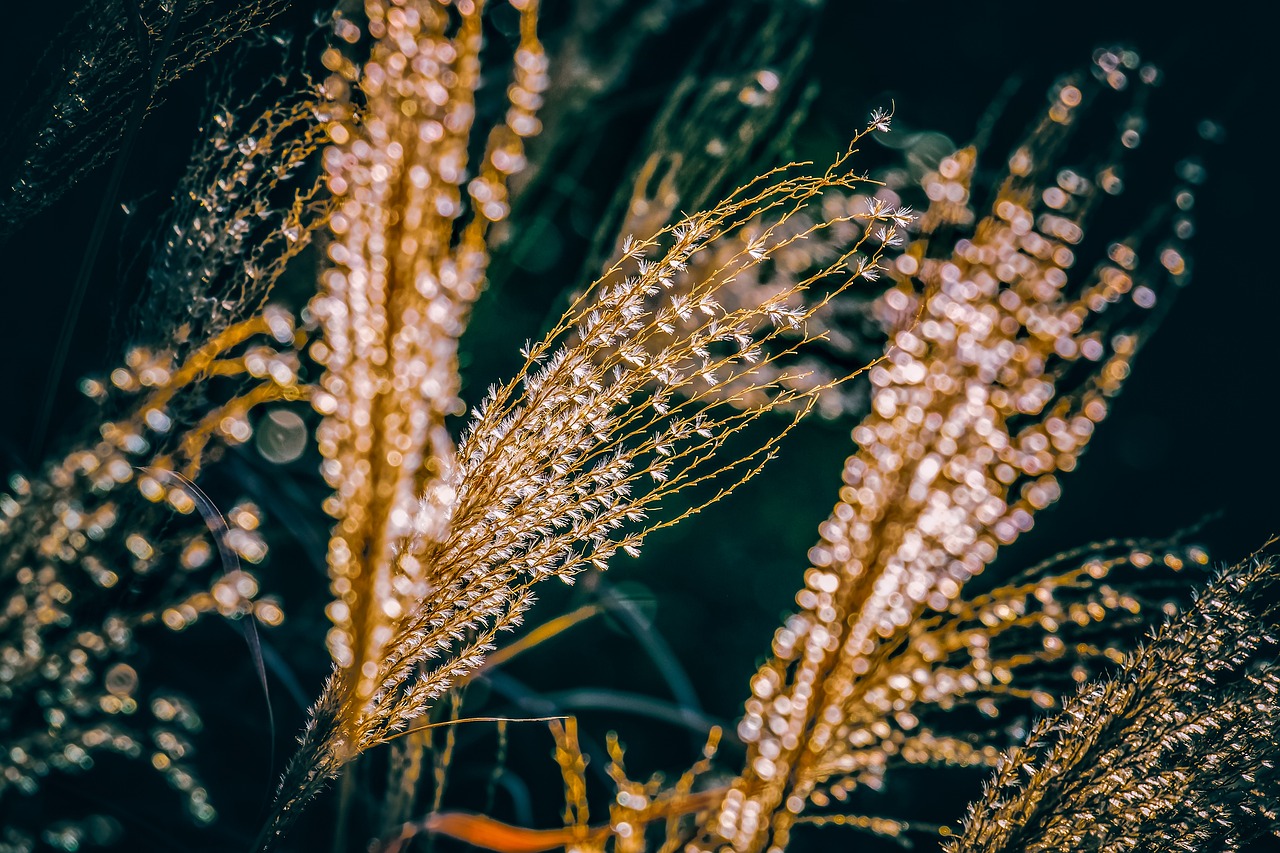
[436,551]
[1174,751]
[993,382]
[992,385]
[668,382]
[95,555]
[391,309]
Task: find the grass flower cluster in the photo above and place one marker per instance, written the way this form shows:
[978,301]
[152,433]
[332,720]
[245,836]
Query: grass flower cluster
[668,383]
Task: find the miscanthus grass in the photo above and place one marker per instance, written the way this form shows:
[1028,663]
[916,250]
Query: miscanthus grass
[667,383]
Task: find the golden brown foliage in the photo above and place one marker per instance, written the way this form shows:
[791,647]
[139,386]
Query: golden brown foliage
[1175,751]
[91,556]
[561,466]
[972,417]
[701,332]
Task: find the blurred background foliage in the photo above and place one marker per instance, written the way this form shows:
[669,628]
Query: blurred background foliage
[1191,437]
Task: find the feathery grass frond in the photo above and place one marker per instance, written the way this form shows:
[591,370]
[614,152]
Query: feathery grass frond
[652,397]
[247,205]
[1008,652]
[563,466]
[1175,751]
[91,559]
[401,288]
[993,384]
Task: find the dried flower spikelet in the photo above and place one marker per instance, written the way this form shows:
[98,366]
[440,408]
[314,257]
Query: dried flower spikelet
[408,259]
[843,220]
[994,383]
[1178,749]
[400,288]
[102,518]
[1010,652]
[561,467]
[247,205]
